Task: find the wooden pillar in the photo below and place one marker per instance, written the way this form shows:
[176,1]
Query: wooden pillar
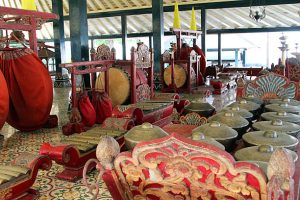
[203,29]
[244,57]
[79,34]
[124,34]
[219,49]
[150,42]
[236,57]
[59,34]
[158,31]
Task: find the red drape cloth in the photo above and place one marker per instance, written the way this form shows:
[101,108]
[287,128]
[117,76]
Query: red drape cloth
[4,100]
[103,106]
[87,111]
[30,89]
[202,59]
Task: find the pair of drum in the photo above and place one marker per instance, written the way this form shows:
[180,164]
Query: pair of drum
[120,82]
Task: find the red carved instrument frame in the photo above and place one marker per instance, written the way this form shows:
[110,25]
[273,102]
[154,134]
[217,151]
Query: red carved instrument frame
[91,67]
[260,87]
[20,189]
[140,58]
[171,57]
[72,159]
[176,167]
[24,20]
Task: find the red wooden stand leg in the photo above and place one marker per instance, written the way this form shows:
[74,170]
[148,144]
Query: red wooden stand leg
[30,195]
[73,174]
[21,188]
[71,159]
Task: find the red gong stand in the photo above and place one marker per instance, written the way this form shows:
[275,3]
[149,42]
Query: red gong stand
[24,20]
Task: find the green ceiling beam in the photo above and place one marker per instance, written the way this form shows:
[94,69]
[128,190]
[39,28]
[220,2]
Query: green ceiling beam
[254,30]
[185,7]
[216,31]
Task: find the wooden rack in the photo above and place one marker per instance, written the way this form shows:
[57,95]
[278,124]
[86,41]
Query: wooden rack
[172,57]
[24,20]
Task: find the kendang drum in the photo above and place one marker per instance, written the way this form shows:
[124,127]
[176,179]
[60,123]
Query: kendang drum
[30,89]
[4,100]
[180,75]
[120,85]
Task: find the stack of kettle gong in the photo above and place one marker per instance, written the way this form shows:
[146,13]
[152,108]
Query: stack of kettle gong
[241,124]
[278,126]
[148,132]
[231,123]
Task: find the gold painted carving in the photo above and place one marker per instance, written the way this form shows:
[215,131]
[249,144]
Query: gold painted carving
[183,171]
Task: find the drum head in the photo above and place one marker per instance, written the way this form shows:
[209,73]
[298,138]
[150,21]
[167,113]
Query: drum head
[179,75]
[119,85]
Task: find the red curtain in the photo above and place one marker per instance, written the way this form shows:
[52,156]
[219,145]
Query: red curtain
[4,100]
[30,89]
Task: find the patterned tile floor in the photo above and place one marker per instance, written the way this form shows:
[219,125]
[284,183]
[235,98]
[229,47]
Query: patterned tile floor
[49,187]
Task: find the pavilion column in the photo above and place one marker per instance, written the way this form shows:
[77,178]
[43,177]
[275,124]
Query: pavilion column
[236,57]
[59,34]
[244,57]
[158,31]
[79,34]
[124,34]
[219,49]
[204,30]
[150,42]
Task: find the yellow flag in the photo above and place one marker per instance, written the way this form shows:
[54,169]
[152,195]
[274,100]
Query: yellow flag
[176,22]
[28,5]
[193,21]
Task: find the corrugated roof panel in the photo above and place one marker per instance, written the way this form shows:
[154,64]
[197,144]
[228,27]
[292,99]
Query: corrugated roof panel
[227,18]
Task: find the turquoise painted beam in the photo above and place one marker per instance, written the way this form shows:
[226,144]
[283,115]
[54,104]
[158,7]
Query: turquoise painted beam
[219,49]
[216,31]
[124,34]
[79,34]
[58,30]
[158,31]
[185,7]
[204,30]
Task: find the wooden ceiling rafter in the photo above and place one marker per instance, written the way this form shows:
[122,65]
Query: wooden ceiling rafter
[116,21]
[119,4]
[281,11]
[220,19]
[91,6]
[168,21]
[148,20]
[276,22]
[137,3]
[45,6]
[138,19]
[109,5]
[131,26]
[66,7]
[95,28]
[99,4]
[17,3]
[103,24]
[221,14]
[237,14]
[147,3]
[67,29]
[186,16]
[47,33]
[222,24]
